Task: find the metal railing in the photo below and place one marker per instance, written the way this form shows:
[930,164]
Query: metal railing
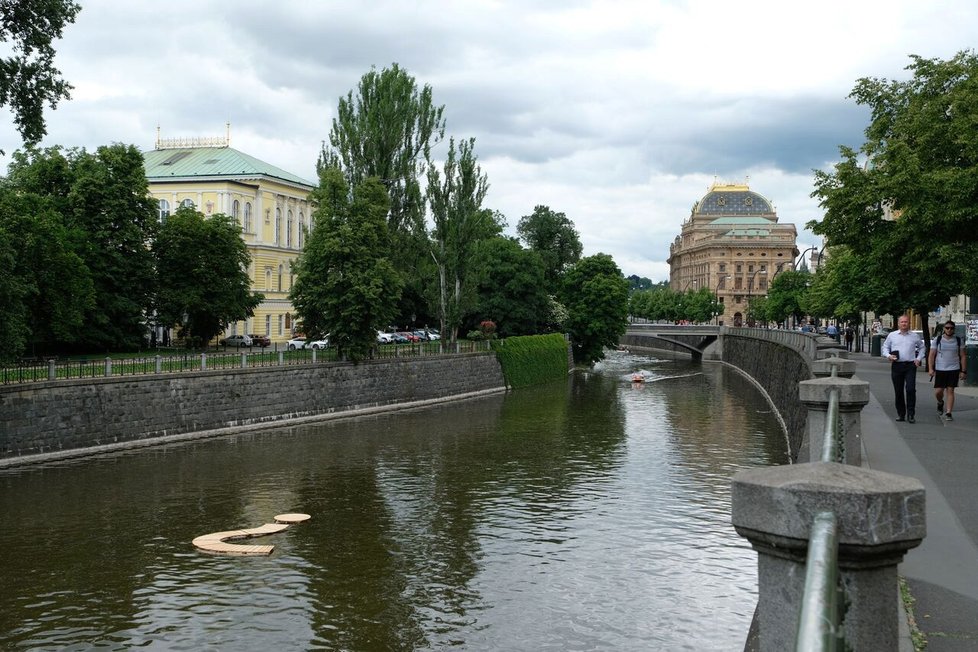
[74,369]
[823,601]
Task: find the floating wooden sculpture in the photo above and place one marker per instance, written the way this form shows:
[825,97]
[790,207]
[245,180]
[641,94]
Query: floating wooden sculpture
[217,541]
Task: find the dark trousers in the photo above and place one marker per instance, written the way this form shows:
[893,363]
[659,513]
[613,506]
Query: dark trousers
[904,376]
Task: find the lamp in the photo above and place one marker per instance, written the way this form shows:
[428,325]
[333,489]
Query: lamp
[794,263]
[716,293]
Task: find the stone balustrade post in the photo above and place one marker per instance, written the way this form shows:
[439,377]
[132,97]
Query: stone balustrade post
[853,396]
[880,516]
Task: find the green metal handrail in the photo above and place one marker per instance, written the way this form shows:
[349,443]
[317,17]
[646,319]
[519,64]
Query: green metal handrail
[820,621]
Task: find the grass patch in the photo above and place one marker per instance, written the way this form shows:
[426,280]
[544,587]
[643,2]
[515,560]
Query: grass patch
[917,637]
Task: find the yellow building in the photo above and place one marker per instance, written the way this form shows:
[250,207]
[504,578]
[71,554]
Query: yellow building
[733,245]
[271,205]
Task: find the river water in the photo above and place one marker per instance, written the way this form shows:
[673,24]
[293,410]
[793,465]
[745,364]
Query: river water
[592,514]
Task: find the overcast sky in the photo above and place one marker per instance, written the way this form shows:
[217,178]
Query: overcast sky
[618,114]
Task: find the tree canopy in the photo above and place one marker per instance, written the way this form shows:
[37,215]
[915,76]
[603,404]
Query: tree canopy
[904,202]
[554,237]
[510,288]
[345,285]
[28,78]
[596,296]
[201,268]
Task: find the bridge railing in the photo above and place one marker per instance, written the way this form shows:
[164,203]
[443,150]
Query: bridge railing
[829,533]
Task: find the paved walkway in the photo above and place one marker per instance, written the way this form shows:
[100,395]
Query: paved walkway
[943,571]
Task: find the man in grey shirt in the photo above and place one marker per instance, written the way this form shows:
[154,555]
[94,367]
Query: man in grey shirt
[946,362]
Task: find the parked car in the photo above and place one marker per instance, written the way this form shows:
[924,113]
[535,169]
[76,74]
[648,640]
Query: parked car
[297,343]
[397,338]
[322,343]
[409,336]
[237,340]
[384,338]
[260,340]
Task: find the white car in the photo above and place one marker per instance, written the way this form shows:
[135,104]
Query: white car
[297,343]
[319,344]
[384,338]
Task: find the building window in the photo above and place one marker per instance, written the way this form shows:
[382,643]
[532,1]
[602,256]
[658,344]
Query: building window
[187,203]
[281,325]
[280,272]
[278,226]
[723,267]
[288,230]
[248,227]
[268,278]
[268,325]
[302,229]
[235,212]
[164,210]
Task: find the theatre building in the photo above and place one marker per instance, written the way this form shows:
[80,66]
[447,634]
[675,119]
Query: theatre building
[733,245]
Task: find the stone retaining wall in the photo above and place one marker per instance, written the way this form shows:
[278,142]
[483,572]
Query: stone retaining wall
[55,419]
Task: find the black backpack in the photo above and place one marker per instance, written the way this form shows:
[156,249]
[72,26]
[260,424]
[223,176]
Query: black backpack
[937,342]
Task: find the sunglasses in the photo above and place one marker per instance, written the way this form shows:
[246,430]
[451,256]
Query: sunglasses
[949,328]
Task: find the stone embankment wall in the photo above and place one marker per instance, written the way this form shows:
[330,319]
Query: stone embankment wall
[50,420]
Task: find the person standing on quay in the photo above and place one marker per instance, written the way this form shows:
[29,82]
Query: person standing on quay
[849,336]
[905,350]
[946,362]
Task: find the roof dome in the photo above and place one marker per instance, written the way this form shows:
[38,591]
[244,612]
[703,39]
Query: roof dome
[733,200]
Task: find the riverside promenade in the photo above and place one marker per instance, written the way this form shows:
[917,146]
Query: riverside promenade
[943,572]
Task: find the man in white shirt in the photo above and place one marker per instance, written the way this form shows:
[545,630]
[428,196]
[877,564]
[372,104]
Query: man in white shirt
[905,350]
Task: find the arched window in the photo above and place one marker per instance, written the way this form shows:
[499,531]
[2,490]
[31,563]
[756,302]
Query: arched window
[302,229]
[187,203]
[278,226]
[248,226]
[288,230]
[235,212]
[268,278]
[164,210]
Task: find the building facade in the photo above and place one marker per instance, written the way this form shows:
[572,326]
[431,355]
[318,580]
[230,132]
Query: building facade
[271,205]
[733,245]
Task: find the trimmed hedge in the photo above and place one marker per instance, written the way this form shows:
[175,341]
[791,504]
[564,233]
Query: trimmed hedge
[532,359]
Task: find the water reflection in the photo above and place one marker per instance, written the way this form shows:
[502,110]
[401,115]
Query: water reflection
[591,514]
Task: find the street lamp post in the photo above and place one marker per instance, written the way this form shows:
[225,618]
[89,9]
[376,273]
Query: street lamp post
[716,293]
[750,287]
[794,263]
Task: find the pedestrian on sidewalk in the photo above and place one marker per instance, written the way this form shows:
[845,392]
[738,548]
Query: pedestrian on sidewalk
[946,363]
[849,336]
[905,350]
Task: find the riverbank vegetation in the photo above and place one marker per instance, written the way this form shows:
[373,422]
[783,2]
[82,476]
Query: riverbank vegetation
[532,360]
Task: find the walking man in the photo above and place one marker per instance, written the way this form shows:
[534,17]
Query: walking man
[905,350]
[946,363]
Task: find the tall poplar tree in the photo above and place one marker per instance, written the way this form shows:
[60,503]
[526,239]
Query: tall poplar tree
[456,197]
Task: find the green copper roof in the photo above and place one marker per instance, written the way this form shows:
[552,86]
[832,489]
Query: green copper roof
[190,162]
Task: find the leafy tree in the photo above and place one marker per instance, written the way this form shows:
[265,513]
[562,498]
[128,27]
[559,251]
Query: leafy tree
[459,223]
[911,209]
[203,284]
[386,130]
[554,237]
[786,296]
[510,288]
[639,283]
[28,78]
[345,285]
[596,296]
[50,288]
[104,203]
[700,305]
[661,302]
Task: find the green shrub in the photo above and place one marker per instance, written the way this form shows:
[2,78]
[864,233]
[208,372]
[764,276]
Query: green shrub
[532,359]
